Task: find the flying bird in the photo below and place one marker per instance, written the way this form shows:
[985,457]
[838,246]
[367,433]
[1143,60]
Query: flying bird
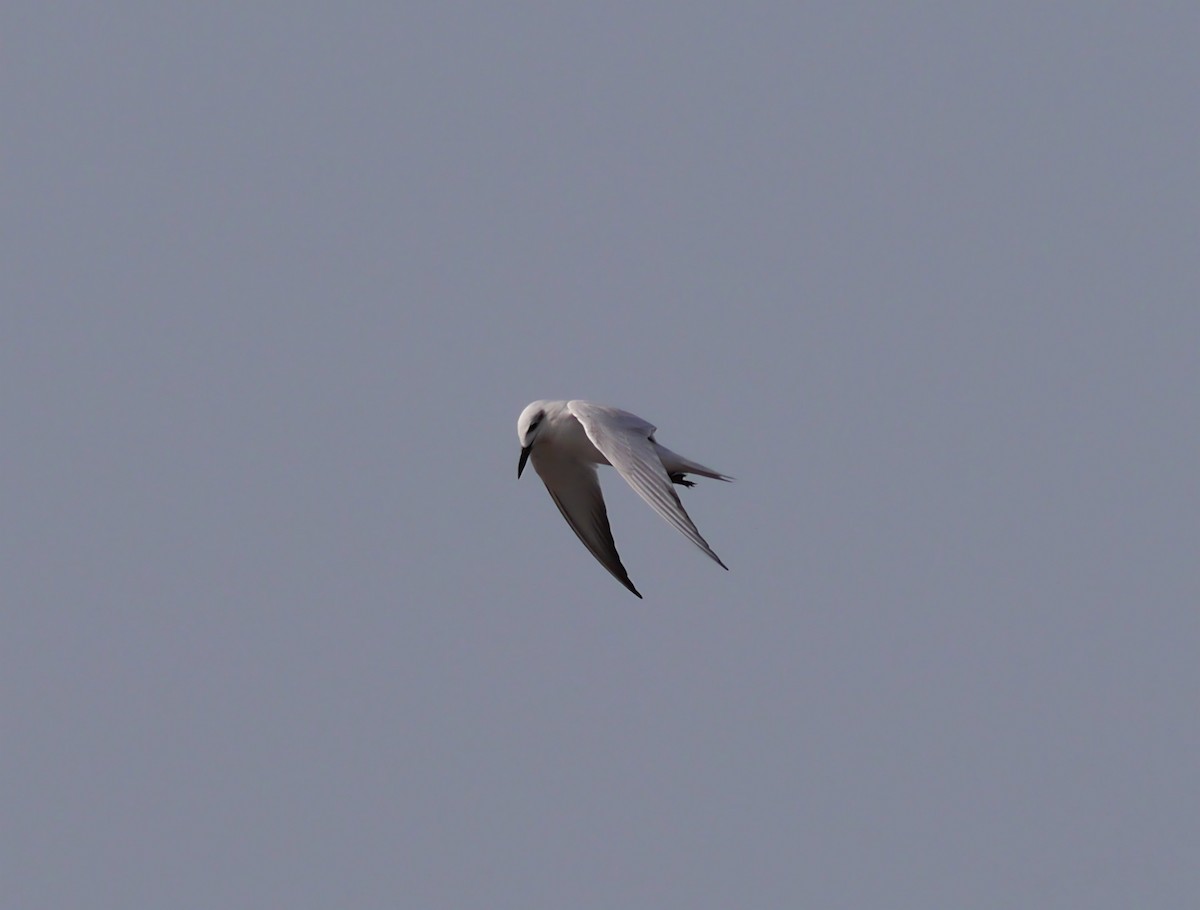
[565,440]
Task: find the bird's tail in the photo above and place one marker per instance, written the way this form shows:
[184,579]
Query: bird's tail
[677,464]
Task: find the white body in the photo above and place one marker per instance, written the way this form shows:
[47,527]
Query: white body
[565,440]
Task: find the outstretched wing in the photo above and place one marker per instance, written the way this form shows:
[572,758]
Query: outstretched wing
[576,491]
[624,439]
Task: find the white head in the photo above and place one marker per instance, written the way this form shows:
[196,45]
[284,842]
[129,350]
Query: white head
[529,421]
[528,425]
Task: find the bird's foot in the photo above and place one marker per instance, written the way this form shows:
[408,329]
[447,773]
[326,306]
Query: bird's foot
[678,476]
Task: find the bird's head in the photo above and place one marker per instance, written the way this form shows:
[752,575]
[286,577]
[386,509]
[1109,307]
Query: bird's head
[528,425]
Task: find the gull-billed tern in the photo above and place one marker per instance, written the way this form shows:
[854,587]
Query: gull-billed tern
[565,440]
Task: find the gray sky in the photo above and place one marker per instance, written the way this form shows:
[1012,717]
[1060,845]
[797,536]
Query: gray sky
[282,628]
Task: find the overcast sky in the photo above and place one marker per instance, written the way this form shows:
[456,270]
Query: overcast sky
[281,627]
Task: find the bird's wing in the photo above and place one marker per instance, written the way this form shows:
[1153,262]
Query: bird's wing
[624,439]
[576,491]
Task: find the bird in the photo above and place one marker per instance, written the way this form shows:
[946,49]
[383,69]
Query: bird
[566,440]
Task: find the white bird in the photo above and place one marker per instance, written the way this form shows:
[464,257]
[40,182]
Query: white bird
[567,439]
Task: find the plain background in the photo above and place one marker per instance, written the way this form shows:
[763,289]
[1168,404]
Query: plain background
[280,626]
